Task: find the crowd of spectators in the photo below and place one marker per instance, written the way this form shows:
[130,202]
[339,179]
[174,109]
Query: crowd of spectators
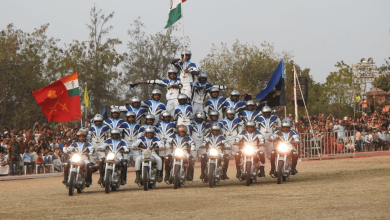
[331,135]
[35,150]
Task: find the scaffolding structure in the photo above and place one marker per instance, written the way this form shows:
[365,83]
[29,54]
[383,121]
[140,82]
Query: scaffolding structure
[364,73]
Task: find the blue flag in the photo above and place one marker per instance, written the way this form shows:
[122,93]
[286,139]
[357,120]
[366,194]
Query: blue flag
[274,92]
[104,113]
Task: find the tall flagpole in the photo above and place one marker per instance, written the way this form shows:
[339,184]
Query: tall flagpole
[295,96]
[182,27]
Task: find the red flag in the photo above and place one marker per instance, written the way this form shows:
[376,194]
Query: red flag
[56,104]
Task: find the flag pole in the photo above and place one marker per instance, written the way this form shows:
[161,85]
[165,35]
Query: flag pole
[295,95]
[182,29]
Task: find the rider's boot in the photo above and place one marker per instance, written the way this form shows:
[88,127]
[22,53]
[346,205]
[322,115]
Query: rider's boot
[262,172]
[101,172]
[224,175]
[88,181]
[66,175]
[294,163]
[238,167]
[159,176]
[272,172]
[203,167]
[138,176]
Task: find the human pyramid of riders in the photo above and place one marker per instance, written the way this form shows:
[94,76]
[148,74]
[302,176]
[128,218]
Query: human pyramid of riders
[181,131]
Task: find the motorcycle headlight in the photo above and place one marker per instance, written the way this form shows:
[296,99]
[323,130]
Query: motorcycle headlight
[213,152]
[76,158]
[179,152]
[283,147]
[249,150]
[110,156]
[146,154]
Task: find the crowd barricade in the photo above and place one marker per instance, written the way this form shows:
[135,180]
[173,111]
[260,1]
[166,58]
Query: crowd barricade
[318,144]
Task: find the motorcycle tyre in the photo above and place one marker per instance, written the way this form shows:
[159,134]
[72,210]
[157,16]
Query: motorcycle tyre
[71,183]
[211,175]
[107,183]
[248,174]
[176,181]
[280,172]
[145,178]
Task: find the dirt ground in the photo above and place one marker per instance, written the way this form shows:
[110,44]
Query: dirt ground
[328,189]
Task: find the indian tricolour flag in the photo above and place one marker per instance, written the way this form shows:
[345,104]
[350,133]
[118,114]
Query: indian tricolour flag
[174,12]
[71,82]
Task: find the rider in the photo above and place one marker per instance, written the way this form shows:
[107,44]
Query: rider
[266,126]
[172,85]
[151,142]
[251,136]
[232,126]
[250,114]
[188,73]
[289,136]
[215,139]
[165,129]
[130,132]
[79,146]
[149,120]
[154,106]
[215,103]
[115,143]
[176,140]
[183,112]
[200,90]
[214,118]
[115,121]
[98,132]
[199,130]
[136,108]
[234,102]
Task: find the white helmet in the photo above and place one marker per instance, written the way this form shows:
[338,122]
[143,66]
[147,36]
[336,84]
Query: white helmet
[250,123]
[150,116]
[98,117]
[286,123]
[202,75]
[230,111]
[156,92]
[136,99]
[214,113]
[215,127]
[172,70]
[115,110]
[149,129]
[266,109]
[115,131]
[182,96]
[130,113]
[200,115]
[250,102]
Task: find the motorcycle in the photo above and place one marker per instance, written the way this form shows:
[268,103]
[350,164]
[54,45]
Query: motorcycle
[214,169]
[248,168]
[113,171]
[178,167]
[283,161]
[77,172]
[149,170]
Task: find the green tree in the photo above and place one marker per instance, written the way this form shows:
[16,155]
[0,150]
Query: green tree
[149,57]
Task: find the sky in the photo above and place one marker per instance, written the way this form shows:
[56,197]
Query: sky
[317,33]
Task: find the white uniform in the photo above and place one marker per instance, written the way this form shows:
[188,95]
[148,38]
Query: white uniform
[187,78]
[183,115]
[198,133]
[172,93]
[256,139]
[130,135]
[98,135]
[266,127]
[231,129]
[165,131]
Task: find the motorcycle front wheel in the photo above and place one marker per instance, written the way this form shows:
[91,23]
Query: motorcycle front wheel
[71,183]
[176,181]
[145,179]
[107,183]
[280,172]
[248,173]
[211,175]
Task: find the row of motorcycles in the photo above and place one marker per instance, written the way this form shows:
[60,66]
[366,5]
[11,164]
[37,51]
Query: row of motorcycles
[112,177]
